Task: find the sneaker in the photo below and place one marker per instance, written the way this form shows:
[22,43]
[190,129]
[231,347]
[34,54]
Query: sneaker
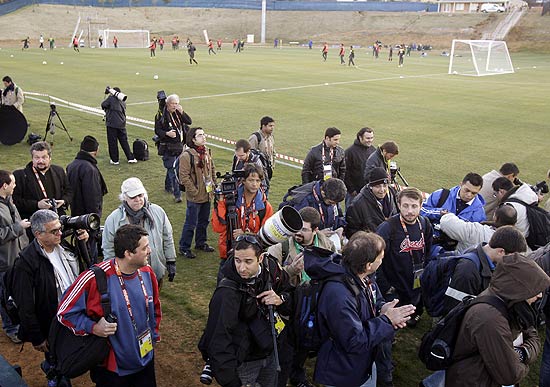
[13,337]
[188,254]
[178,200]
[133,161]
[113,162]
[305,383]
[206,248]
[206,375]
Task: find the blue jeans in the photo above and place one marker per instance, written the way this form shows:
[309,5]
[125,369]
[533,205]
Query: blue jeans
[545,363]
[7,325]
[170,182]
[370,382]
[197,217]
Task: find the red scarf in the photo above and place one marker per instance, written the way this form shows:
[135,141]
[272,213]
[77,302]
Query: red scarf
[201,150]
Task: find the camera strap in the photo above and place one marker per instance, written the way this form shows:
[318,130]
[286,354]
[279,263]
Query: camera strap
[40,184]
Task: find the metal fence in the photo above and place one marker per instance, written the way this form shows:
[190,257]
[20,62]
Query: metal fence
[273,5]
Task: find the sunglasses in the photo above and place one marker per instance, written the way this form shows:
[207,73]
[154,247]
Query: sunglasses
[247,238]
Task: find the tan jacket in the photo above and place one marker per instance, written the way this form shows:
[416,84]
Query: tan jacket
[14,98]
[266,145]
[194,178]
[276,251]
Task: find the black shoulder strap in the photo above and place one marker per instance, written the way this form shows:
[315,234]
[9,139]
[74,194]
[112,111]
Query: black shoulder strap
[348,283]
[101,281]
[285,249]
[229,284]
[514,200]
[258,137]
[443,198]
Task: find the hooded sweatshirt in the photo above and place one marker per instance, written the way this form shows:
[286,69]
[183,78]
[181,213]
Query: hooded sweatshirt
[486,336]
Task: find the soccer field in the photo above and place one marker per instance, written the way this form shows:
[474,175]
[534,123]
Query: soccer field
[445,125]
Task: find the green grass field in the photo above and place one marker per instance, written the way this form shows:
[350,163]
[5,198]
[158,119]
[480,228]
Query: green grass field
[445,125]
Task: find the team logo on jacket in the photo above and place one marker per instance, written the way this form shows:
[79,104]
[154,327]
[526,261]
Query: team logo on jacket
[408,246]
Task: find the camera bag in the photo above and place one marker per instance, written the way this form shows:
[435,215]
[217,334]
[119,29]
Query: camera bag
[75,354]
[140,149]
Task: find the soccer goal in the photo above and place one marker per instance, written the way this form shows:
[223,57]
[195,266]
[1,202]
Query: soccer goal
[480,57]
[125,38]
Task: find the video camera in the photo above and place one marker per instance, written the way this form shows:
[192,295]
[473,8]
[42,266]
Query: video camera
[540,188]
[395,171]
[228,185]
[116,93]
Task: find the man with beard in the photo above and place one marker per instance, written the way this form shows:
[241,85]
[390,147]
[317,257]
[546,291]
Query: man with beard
[356,157]
[88,186]
[41,185]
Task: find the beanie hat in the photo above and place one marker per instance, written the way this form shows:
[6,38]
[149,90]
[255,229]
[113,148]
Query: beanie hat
[89,144]
[378,176]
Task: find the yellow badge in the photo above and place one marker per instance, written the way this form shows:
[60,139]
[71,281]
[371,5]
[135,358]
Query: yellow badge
[145,342]
[279,324]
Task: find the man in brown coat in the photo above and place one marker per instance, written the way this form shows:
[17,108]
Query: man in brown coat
[488,340]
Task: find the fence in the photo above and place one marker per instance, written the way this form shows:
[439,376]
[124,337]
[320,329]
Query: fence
[272,5]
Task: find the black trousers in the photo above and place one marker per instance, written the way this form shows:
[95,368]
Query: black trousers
[144,378]
[114,135]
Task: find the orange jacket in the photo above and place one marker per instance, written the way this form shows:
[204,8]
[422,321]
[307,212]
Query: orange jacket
[255,221]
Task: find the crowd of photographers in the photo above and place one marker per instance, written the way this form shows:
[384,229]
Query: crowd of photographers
[358,240]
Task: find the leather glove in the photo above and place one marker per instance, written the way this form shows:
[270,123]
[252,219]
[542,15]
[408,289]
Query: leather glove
[171,266]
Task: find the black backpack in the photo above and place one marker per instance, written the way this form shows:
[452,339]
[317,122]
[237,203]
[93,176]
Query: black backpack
[75,355]
[7,299]
[539,224]
[296,194]
[266,161]
[140,149]
[437,346]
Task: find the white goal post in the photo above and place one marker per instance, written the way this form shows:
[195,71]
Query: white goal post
[479,58]
[126,38]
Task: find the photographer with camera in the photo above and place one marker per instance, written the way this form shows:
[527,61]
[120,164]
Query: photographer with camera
[237,340]
[41,273]
[136,209]
[88,186]
[12,95]
[41,185]
[171,127]
[132,328]
[115,120]
[248,205]
[381,158]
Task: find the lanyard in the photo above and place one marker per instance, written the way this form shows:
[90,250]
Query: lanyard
[320,205]
[323,153]
[370,296]
[408,239]
[245,214]
[127,298]
[40,184]
[176,123]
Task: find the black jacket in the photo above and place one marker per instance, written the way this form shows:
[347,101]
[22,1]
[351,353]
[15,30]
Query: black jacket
[365,213]
[87,185]
[35,292]
[313,164]
[356,157]
[172,146]
[115,112]
[27,192]
[376,159]
[228,339]
[468,279]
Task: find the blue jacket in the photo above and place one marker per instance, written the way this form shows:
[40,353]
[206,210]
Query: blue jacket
[351,332]
[332,216]
[472,213]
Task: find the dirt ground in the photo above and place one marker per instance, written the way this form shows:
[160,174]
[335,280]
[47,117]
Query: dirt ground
[175,367]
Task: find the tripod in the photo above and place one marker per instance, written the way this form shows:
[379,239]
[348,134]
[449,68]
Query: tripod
[50,125]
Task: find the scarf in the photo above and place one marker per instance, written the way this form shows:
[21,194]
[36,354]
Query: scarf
[140,216]
[11,87]
[201,150]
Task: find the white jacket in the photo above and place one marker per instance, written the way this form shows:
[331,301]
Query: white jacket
[527,195]
[468,234]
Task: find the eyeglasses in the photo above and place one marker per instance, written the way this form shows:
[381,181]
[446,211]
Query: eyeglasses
[247,238]
[55,231]
[200,135]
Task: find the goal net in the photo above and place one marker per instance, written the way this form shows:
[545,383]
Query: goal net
[126,38]
[480,57]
